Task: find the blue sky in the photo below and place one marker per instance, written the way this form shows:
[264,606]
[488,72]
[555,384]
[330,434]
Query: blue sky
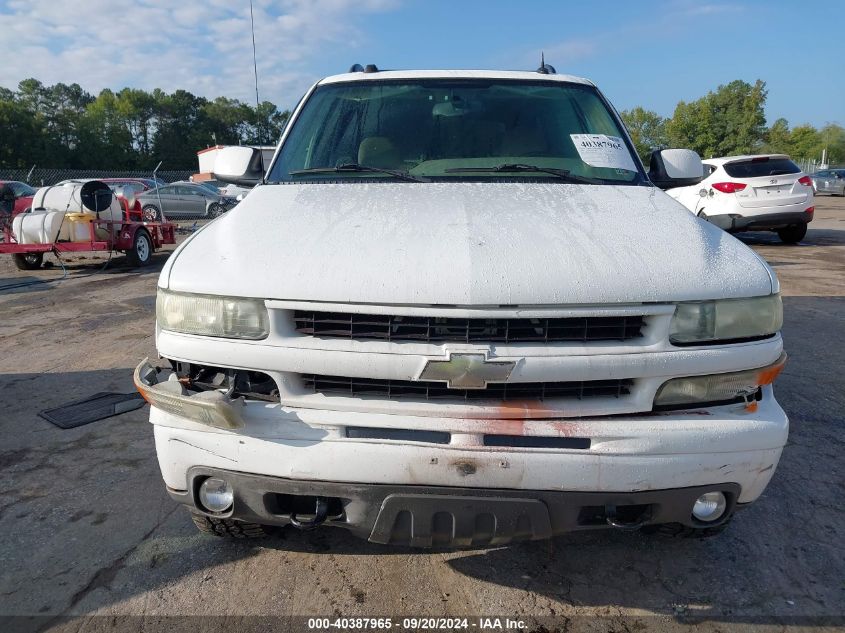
[650,52]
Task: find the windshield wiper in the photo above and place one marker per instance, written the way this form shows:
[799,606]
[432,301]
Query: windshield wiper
[356,167]
[565,174]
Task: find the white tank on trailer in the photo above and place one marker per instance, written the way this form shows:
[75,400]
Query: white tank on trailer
[38,227]
[90,197]
[47,222]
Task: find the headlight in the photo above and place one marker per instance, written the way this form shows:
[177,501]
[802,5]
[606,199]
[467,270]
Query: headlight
[726,319]
[226,317]
[716,387]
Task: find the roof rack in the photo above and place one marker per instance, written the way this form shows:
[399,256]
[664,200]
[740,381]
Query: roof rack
[358,68]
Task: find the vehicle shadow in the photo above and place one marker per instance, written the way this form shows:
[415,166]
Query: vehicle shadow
[90,529]
[25,283]
[78,267]
[814,237]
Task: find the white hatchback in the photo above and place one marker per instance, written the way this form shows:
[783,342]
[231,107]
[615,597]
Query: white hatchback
[752,193]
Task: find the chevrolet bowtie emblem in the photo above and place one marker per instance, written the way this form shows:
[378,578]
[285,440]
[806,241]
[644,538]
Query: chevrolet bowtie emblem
[467,371]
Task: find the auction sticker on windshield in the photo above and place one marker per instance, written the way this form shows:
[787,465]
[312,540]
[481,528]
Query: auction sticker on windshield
[601,150]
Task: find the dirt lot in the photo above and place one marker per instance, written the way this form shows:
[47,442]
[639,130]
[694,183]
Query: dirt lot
[88,529]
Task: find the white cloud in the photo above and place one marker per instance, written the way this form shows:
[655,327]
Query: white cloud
[203,46]
[675,17]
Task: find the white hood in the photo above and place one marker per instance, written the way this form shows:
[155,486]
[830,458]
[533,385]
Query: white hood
[479,244]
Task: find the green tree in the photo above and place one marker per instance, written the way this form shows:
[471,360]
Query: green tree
[227,121]
[805,142]
[778,138]
[137,108]
[833,140]
[647,130]
[730,120]
[181,129]
[21,134]
[105,135]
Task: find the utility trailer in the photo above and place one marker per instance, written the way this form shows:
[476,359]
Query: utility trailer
[137,239]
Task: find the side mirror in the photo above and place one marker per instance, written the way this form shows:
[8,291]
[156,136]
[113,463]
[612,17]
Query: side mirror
[239,165]
[670,168]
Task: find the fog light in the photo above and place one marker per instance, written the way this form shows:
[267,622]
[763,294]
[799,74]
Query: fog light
[216,495]
[709,506]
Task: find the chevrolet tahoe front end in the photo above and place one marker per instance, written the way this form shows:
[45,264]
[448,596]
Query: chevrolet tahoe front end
[463,343]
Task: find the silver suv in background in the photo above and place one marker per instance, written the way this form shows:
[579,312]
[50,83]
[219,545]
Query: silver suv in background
[184,199]
[830,181]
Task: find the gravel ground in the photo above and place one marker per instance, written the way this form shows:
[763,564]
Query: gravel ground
[90,535]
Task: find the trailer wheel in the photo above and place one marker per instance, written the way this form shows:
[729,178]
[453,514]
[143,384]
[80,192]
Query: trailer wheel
[28,261]
[142,249]
[150,213]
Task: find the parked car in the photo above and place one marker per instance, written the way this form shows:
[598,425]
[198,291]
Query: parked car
[227,189]
[183,199]
[469,317]
[752,193]
[830,181]
[23,195]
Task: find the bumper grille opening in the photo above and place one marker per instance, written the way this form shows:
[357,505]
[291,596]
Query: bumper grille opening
[426,329]
[525,441]
[596,515]
[301,505]
[252,385]
[401,435]
[427,390]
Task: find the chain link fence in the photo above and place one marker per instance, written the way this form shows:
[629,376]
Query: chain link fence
[810,166]
[46,177]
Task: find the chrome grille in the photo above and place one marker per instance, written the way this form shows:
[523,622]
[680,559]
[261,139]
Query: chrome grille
[425,329]
[426,390]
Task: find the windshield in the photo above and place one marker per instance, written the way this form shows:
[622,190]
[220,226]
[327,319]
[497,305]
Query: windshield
[22,189]
[207,186]
[445,129]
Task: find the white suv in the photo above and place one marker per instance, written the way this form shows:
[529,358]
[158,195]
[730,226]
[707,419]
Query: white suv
[444,316]
[752,193]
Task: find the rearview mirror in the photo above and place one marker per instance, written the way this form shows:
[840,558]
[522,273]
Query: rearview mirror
[670,168]
[239,165]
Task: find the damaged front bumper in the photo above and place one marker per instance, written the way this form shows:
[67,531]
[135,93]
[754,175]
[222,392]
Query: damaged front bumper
[446,516]
[212,408]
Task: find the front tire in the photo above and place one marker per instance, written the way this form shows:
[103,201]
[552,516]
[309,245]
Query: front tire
[792,234]
[28,261]
[151,213]
[215,211]
[228,527]
[141,252]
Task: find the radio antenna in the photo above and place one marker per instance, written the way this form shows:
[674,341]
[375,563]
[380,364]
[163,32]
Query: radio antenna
[257,102]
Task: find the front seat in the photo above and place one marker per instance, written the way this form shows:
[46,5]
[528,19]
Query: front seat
[378,151]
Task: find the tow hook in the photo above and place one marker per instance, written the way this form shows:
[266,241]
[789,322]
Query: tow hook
[614,521]
[321,512]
